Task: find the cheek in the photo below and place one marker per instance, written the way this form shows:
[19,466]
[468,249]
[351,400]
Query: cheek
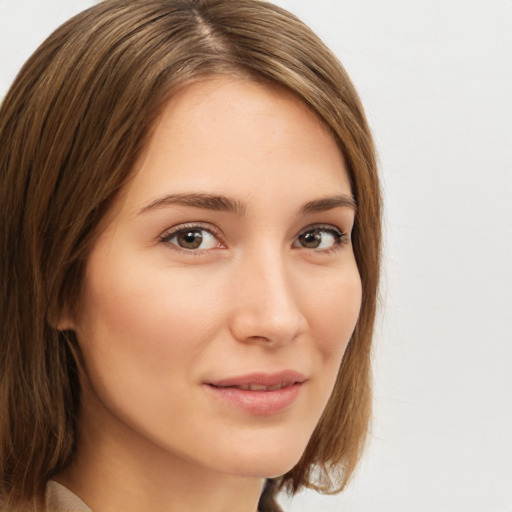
[142,331]
[334,313]
[142,316]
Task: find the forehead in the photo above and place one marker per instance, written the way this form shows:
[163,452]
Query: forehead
[230,136]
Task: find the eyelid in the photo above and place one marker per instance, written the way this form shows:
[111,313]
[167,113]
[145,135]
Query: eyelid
[342,236]
[193,226]
[325,227]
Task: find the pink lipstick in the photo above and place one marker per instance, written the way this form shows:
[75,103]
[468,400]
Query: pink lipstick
[259,393]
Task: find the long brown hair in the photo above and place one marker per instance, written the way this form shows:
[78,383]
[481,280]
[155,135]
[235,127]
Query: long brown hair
[71,128]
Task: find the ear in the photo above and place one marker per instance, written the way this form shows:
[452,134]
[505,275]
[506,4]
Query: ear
[65,320]
[65,325]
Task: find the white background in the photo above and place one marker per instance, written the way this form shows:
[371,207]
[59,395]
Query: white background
[436,79]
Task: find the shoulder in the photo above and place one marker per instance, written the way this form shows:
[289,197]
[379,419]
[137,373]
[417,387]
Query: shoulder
[61,499]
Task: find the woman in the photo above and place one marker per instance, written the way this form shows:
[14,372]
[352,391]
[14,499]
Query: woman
[191,233]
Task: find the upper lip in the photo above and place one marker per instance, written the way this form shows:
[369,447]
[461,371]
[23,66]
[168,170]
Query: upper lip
[285,377]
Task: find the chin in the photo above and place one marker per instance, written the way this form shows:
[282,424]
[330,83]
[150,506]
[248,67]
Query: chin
[269,468]
[263,458]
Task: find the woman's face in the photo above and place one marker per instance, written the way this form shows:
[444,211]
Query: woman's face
[220,296]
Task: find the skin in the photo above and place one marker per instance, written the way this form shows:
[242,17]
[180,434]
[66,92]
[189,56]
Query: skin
[158,320]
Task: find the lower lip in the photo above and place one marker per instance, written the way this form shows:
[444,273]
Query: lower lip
[261,403]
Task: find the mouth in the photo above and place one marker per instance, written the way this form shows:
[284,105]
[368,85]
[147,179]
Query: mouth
[258,387]
[259,393]
[260,381]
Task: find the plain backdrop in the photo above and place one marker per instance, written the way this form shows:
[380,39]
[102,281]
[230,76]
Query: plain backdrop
[435,77]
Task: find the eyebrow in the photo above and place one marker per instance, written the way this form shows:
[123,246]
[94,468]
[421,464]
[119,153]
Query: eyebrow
[329,203]
[203,201]
[226,204]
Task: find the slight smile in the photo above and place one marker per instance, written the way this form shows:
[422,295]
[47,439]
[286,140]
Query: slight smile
[259,393]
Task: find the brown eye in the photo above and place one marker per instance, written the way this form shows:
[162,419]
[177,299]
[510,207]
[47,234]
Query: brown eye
[189,239]
[192,239]
[311,239]
[322,238]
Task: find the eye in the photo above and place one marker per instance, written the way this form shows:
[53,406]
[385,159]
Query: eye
[193,238]
[321,237]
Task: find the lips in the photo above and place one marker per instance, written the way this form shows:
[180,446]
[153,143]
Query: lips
[259,393]
[259,387]
[261,381]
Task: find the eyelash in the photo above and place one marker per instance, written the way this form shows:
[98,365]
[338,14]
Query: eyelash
[183,228]
[340,237]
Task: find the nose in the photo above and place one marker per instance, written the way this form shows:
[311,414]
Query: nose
[267,301]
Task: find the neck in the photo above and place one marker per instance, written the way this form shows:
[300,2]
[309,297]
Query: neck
[115,468]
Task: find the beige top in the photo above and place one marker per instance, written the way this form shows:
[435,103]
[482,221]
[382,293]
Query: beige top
[61,499]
